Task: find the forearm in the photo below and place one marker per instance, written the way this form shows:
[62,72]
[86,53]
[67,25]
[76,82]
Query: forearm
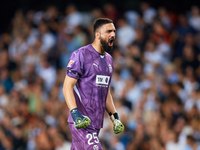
[69,98]
[110,107]
[80,121]
[68,92]
[118,127]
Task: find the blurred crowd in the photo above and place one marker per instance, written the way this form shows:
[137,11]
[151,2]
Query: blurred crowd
[155,84]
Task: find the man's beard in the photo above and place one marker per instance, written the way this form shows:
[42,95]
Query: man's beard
[105,46]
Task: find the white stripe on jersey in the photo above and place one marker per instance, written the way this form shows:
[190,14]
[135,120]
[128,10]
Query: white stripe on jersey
[77,92]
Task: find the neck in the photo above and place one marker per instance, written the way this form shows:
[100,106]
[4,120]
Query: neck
[97,46]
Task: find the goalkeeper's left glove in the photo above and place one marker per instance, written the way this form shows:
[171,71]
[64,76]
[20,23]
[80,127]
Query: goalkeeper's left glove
[118,127]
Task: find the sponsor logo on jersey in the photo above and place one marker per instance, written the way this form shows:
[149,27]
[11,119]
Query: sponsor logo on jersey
[70,63]
[95,147]
[110,68]
[102,80]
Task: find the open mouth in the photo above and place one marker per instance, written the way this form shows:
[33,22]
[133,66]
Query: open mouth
[111,41]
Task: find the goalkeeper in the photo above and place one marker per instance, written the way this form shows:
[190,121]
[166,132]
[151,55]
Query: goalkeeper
[86,88]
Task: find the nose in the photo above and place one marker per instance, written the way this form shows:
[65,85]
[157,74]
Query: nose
[113,34]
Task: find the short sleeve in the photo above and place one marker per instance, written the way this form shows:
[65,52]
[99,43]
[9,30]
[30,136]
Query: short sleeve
[75,65]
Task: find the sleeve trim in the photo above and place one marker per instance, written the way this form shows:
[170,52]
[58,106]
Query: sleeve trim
[74,72]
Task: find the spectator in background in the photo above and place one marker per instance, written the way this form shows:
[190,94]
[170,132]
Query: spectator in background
[190,40]
[110,11]
[132,92]
[191,144]
[31,58]
[47,73]
[73,17]
[171,74]
[125,34]
[193,101]
[61,144]
[178,35]
[179,90]
[189,58]
[118,84]
[80,37]
[97,13]
[18,47]
[3,100]
[68,45]
[116,144]
[6,80]
[6,62]
[5,134]
[148,12]
[48,39]
[30,33]
[173,142]
[183,26]
[165,50]
[43,142]
[132,17]
[152,57]
[164,18]
[164,91]
[160,32]
[194,18]
[51,18]
[17,23]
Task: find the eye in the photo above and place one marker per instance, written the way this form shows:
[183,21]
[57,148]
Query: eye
[109,31]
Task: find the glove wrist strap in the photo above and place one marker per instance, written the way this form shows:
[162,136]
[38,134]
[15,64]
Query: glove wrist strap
[75,113]
[114,116]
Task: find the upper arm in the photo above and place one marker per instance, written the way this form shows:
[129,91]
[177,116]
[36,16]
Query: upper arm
[75,65]
[69,83]
[68,86]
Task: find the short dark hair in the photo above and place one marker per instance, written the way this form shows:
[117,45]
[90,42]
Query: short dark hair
[99,22]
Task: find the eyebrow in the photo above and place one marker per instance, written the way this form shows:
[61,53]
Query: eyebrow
[111,30]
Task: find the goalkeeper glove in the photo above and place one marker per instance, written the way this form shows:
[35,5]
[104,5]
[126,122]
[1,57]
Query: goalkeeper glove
[118,126]
[80,121]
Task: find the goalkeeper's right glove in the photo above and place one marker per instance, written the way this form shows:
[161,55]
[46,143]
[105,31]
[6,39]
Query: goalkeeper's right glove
[80,121]
[118,127]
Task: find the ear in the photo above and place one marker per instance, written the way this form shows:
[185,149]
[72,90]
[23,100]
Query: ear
[97,35]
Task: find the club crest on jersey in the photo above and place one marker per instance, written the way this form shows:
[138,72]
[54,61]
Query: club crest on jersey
[70,63]
[95,147]
[110,68]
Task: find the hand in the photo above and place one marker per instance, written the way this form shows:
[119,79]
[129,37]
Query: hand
[80,121]
[118,126]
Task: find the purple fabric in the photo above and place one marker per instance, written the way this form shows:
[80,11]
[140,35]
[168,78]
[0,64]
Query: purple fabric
[85,139]
[94,72]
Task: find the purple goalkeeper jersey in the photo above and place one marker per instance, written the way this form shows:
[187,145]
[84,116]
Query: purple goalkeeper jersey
[94,72]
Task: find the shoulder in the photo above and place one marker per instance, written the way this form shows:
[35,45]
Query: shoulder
[82,50]
[108,56]
[79,52]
